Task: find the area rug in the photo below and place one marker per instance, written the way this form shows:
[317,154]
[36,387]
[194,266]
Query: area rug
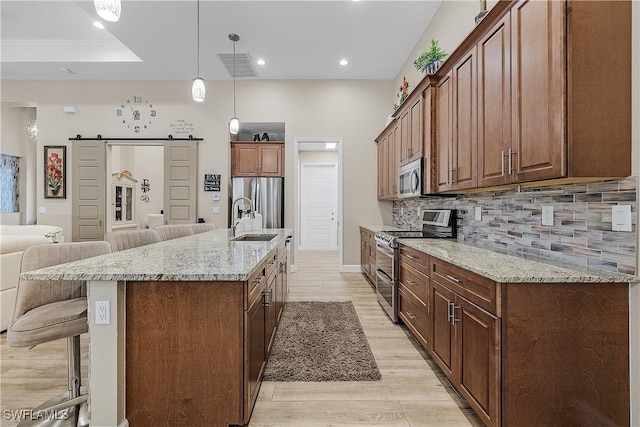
[321,341]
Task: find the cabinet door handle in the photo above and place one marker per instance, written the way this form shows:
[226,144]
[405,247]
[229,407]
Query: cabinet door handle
[449,311]
[453,313]
[267,298]
[511,154]
[411,282]
[258,280]
[411,256]
[453,180]
[410,315]
[502,163]
[453,279]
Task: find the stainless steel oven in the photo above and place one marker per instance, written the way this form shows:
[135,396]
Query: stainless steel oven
[386,276]
[436,223]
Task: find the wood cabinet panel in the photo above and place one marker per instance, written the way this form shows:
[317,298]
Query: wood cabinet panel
[193,385]
[538,69]
[248,159]
[567,361]
[477,289]
[443,333]
[494,105]
[367,255]
[477,365]
[405,135]
[414,281]
[415,133]
[255,352]
[464,115]
[428,128]
[443,138]
[415,314]
[270,159]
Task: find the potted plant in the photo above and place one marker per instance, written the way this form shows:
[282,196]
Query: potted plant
[428,61]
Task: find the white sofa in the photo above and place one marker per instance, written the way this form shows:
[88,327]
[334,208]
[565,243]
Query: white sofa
[14,239]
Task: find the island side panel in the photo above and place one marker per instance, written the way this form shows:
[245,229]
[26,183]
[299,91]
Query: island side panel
[184,353]
[565,354]
[106,355]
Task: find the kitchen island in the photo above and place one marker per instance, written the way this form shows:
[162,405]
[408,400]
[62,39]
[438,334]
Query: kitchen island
[190,325]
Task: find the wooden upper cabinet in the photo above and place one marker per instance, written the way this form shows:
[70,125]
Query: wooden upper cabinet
[443,133]
[538,70]
[411,131]
[428,153]
[465,125]
[248,159]
[494,106]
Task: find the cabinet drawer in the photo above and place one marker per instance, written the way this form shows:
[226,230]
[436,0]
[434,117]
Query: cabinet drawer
[414,313]
[415,258]
[255,285]
[475,288]
[414,281]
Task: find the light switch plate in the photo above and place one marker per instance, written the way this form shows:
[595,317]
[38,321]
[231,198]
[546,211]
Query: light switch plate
[547,215]
[621,218]
[215,210]
[216,197]
[478,213]
[42,210]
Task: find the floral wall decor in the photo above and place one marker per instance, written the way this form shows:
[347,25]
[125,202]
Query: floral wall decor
[55,172]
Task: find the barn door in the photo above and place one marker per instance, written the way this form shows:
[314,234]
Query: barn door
[180,191]
[89,190]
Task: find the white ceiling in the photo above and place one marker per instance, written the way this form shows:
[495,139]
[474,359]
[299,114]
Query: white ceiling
[156,40]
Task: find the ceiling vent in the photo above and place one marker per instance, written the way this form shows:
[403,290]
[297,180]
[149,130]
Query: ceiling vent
[244,65]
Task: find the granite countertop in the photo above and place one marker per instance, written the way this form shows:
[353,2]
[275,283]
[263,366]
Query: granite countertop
[376,228]
[509,268]
[209,256]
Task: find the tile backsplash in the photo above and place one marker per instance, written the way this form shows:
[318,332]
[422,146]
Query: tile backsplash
[511,222]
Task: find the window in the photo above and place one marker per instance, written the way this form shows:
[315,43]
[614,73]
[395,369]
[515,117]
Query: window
[9,181]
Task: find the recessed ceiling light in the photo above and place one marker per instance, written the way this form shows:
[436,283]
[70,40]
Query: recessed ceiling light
[343,62]
[98,24]
[260,62]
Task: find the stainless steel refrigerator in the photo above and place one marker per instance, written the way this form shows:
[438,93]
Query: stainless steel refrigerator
[267,195]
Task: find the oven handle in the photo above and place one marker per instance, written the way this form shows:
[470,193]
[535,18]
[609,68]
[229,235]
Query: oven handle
[385,249]
[384,276]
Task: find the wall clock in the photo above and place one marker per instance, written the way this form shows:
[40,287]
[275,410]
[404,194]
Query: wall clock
[136,113]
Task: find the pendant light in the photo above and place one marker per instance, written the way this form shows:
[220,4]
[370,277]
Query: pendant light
[109,10]
[234,124]
[198,90]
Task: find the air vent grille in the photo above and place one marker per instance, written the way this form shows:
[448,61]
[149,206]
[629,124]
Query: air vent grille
[244,65]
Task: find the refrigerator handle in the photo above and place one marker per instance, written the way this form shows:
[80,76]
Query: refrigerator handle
[258,200]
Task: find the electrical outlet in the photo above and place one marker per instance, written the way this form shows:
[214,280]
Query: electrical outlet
[478,213]
[215,210]
[401,210]
[103,315]
[547,215]
[621,218]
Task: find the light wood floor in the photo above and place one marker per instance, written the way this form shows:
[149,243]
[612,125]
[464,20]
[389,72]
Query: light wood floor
[411,393]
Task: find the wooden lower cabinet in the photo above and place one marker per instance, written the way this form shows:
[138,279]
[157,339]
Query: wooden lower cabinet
[522,354]
[368,255]
[255,351]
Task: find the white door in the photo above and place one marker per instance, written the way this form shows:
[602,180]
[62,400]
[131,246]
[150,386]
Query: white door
[318,206]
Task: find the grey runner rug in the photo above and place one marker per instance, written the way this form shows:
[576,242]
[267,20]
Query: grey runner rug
[321,341]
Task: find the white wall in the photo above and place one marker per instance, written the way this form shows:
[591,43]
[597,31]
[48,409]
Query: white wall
[15,141]
[352,110]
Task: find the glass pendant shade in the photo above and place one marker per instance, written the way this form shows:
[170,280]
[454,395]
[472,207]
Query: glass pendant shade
[198,90]
[109,10]
[234,126]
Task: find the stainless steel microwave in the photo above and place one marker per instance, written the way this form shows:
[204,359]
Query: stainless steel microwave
[410,179]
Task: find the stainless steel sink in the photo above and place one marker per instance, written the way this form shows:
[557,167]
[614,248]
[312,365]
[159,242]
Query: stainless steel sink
[254,238]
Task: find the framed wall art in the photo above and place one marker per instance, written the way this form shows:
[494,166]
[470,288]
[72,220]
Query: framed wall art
[55,172]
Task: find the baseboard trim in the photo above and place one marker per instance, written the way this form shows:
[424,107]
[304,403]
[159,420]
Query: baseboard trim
[350,269]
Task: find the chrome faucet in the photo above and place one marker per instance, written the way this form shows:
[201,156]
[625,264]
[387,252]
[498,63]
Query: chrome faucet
[233,212]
